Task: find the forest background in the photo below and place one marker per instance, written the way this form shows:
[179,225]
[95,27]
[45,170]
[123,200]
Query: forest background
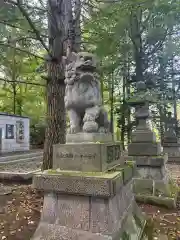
[133,39]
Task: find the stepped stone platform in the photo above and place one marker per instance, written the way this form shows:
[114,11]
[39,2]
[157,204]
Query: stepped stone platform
[88,194]
[173,151]
[171,145]
[151,183]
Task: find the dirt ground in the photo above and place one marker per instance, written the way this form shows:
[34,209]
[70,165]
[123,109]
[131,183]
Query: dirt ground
[21,207]
[19,213]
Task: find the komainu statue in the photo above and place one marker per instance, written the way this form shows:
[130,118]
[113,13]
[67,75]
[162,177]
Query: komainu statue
[83,96]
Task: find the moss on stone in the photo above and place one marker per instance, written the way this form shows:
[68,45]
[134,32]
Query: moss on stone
[159,201]
[131,163]
[85,174]
[127,172]
[174,189]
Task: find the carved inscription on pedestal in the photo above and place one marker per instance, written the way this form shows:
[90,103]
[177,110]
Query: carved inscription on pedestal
[72,155]
[113,153]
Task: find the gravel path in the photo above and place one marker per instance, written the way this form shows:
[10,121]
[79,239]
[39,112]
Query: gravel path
[19,152]
[23,166]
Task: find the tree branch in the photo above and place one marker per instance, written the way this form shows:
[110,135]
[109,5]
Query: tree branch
[18,27]
[159,44]
[28,6]
[20,49]
[22,82]
[31,24]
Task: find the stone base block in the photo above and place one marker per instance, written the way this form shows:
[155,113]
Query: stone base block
[143,136]
[155,192]
[132,226]
[171,145]
[173,153]
[148,167]
[80,217]
[174,159]
[144,149]
[149,172]
[87,157]
[156,161]
[99,184]
[86,184]
[89,137]
[170,139]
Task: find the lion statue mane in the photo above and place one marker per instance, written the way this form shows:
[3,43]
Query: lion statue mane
[83,99]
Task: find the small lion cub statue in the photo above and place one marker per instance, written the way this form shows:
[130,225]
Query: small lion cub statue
[83,96]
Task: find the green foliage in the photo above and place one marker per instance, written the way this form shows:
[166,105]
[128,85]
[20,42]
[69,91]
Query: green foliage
[132,42]
[18,74]
[130,37]
[37,134]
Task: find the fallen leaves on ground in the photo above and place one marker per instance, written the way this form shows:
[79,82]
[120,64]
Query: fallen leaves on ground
[20,213]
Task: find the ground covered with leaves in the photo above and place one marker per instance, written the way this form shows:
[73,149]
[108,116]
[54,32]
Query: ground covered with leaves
[20,209]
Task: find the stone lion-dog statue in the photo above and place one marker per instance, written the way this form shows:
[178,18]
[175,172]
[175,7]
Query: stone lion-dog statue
[83,99]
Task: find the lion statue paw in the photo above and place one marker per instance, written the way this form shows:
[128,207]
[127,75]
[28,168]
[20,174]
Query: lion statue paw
[90,126]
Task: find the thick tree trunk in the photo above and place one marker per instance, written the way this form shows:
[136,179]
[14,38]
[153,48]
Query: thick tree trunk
[56,118]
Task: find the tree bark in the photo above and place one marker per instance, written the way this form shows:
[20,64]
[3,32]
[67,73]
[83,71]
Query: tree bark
[111,93]
[160,107]
[137,43]
[129,130]
[73,27]
[123,115]
[56,116]
[77,25]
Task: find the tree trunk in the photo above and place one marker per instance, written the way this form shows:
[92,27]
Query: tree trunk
[77,25]
[112,105]
[137,43]
[129,109]
[123,117]
[174,95]
[56,116]
[14,80]
[160,107]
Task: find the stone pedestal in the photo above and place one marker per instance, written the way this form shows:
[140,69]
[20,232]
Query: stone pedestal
[88,195]
[151,183]
[171,146]
[88,137]
[87,157]
[173,151]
